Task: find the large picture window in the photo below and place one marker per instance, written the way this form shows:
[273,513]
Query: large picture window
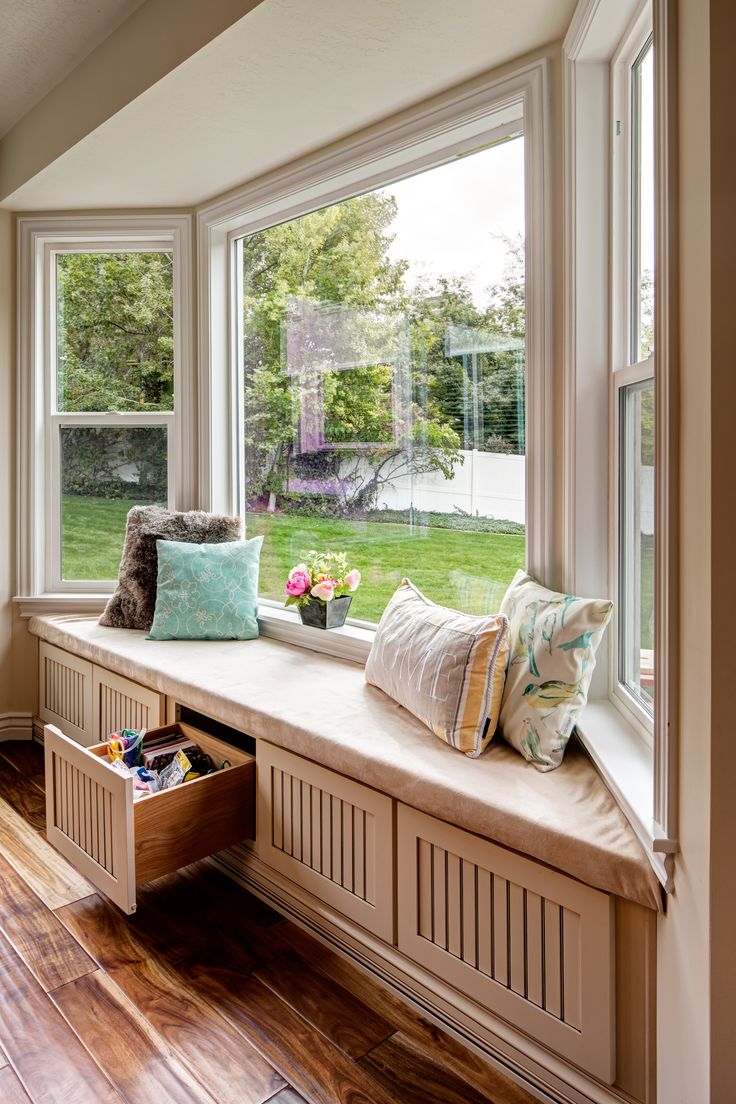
[384,372]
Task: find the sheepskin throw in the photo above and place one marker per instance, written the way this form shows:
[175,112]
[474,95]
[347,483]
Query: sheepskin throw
[134,601]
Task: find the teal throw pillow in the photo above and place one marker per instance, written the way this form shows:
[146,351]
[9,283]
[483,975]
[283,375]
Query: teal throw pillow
[206,591]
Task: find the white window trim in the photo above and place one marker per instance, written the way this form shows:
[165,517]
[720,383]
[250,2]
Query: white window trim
[638,767]
[39,586]
[623,371]
[399,146]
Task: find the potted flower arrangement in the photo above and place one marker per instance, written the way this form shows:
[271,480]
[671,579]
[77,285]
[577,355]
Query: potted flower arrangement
[322,589]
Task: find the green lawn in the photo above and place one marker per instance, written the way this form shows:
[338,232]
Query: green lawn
[466,570]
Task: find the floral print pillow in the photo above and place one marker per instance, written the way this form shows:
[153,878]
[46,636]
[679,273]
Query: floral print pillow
[553,641]
[206,591]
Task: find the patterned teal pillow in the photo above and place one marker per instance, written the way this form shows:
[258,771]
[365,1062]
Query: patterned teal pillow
[206,591]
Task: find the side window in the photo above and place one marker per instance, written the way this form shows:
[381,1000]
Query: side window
[633,375]
[110,394]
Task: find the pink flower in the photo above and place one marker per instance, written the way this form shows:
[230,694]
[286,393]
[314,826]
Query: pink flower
[298,583]
[324,590]
[352,579]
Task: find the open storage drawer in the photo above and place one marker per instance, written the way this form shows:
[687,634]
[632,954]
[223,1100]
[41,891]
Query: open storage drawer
[118,843]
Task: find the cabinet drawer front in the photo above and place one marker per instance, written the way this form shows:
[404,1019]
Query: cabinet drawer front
[120,703]
[117,843]
[328,834]
[89,817]
[65,692]
[531,945]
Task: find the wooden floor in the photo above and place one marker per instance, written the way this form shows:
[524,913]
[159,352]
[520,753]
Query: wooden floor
[206,994]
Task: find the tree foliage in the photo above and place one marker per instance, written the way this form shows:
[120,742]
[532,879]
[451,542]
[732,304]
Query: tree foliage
[340,256]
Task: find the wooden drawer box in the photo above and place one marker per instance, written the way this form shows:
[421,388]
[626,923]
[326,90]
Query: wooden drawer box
[118,843]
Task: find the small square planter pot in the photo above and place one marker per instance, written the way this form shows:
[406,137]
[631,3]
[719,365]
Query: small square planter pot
[325,615]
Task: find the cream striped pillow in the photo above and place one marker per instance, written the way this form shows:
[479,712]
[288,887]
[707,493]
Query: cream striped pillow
[445,667]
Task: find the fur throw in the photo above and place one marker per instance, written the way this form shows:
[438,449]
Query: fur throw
[133,603]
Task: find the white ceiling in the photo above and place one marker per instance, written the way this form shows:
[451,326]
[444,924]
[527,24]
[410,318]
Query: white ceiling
[41,41]
[289,77]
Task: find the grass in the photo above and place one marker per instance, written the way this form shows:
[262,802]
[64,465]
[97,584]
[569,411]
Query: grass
[469,571]
[92,536]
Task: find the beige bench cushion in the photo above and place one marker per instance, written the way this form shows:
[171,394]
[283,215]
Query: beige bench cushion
[321,708]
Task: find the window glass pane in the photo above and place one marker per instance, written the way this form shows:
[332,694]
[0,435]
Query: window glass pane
[103,473]
[114,331]
[643,205]
[637,540]
[385,385]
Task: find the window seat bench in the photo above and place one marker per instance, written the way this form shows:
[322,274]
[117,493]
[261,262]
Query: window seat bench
[320,707]
[516,908]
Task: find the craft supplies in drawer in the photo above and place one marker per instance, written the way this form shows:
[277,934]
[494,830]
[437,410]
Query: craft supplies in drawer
[118,841]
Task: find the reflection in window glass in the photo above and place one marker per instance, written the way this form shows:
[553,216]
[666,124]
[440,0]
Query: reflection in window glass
[104,472]
[384,375]
[643,205]
[637,537]
[114,332]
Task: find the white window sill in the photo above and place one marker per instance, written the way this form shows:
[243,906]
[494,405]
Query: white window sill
[352,642]
[625,763]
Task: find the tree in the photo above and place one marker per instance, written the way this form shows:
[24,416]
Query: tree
[337,256]
[114,353]
[115,331]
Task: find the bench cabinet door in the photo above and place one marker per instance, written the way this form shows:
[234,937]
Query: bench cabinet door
[328,834]
[523,941]
[65,692]
[121,703]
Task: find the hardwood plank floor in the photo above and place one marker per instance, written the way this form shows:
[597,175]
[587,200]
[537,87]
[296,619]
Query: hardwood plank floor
[341,1017]
[52,955]
[11,1090]
[48,1057]
[205,994]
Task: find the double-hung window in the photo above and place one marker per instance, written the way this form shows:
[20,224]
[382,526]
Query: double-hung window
[621,395]
[633,372]
[103,343]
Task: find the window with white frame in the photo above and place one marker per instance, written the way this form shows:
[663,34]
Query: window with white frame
[102,337]
[384,378]
[633,368]
[621,382]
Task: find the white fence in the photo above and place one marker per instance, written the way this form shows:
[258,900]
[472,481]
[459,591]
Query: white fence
[486,483]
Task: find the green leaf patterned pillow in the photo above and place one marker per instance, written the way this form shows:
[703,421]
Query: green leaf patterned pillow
[206,591]
[554,638]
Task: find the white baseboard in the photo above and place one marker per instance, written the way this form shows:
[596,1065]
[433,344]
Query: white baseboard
[16,726]
[543,1074]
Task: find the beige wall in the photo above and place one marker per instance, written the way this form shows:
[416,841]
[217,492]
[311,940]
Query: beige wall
[18,674]
[155,39]
[7,407]
[723,550]
[684,960]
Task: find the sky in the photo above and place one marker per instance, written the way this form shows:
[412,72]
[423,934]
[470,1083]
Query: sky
[449,218]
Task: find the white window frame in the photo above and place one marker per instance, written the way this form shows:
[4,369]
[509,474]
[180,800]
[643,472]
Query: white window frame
[468,116]
[636,759]
[40,585]
[624,371]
